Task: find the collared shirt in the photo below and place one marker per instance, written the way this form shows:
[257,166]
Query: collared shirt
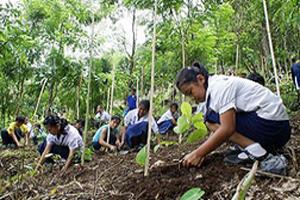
[132,118]
[104,116]
[70,138]
[166,116]
[244,95]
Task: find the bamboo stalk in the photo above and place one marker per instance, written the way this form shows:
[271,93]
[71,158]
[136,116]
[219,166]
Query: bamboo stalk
[271,47]
[150,118]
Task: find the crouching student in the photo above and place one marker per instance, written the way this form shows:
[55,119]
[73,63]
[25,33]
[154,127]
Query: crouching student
[136,126]
[250,115]
[13,134]
[100,137]
[63,140]
[168,120]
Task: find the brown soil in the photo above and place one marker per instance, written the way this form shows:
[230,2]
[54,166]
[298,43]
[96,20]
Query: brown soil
[112,177]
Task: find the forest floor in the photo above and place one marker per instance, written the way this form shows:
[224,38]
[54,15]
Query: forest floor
[111,176]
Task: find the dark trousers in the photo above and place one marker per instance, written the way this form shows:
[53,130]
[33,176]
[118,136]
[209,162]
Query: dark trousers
[8,139]
[63,151]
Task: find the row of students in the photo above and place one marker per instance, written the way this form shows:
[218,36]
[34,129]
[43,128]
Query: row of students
[135,131]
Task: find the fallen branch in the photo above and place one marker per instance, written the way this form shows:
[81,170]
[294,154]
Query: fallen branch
[268,174]
[108,170]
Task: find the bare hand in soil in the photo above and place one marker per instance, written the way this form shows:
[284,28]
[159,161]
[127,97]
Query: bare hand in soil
[192,159]
[113,148]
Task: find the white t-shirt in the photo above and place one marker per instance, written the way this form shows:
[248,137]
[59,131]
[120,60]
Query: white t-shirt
[201,108]
[72,139]
[29,126]
[103,117]
[244,96]
[166,116]
[132,118]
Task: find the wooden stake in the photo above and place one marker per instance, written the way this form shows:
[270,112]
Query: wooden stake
[150,118]
[111,99]
[89,90]
[39,99]
[78,97]
[137,92]
[271,47]
[107,101]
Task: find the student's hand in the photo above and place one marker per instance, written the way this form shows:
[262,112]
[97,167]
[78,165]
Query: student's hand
[113,148]
[192,159]
[20,145]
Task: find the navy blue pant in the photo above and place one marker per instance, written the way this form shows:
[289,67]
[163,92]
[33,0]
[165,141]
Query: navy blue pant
[63,151]
[165,126]
[112,141]
[136,134]
[270,134]
[8,139]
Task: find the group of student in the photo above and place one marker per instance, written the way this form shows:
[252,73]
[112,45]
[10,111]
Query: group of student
[236,109]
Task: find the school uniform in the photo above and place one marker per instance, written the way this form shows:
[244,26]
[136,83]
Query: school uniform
[260,114]
[104,116]
[137,129]
[131,104]
[6,134]
[165,122]
[112,139]
[296,74]
[63,143]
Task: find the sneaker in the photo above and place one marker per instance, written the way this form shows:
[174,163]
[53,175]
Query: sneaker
[274,164]
[248,155]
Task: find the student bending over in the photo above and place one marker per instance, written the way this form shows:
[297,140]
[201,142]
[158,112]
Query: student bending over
[100,136]
[168,120]
[14,133]
[250,115]
[63,140]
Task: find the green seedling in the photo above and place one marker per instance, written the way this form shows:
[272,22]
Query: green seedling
[188,122]
[193,194]
[141,156]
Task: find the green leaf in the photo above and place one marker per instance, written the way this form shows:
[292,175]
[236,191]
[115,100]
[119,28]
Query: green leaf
[196,135]
[197,118]
[200,125]
[193,194]
[141,156]
[186,109]
[168,143]
[182,125]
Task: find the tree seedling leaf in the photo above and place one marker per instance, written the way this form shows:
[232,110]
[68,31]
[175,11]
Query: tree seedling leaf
[156,148]
[197,118]
[196,135]
[182,124]
[193,194]
[186,109]
[141,156]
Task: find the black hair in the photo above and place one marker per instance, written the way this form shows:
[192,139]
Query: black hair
[145,104]
[37,126]
[81,122]
[54,120]
[175,105]
[189,75]
[20,119]
[115,117]
[133,89]
[256,77]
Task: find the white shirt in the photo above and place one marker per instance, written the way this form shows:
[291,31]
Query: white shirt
[244,96]
[103,117]
[201,108]
[29,126]
[72,139]
[132,118]
[166,116]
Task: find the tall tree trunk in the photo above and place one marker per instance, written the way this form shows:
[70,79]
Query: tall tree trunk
[39,98]
[89,90]
[133,48]
[20,96]
[78,97]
